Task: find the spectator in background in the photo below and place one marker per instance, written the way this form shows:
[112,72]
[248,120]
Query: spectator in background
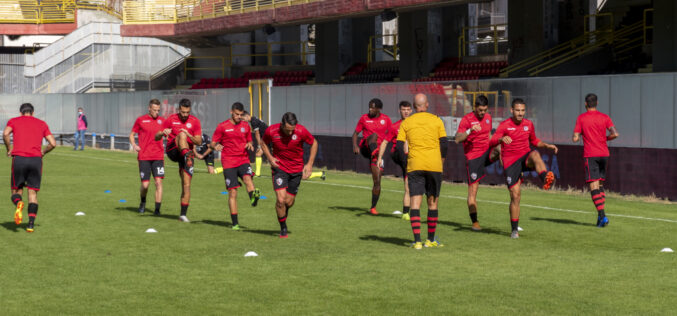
[81,129]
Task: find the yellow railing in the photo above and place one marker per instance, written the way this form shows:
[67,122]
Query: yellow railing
[304,50]
[498,35]
[372,49]
[219,59]
[647,26]
[177,11]
[50,11]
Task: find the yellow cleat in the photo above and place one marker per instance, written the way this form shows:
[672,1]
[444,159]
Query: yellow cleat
[218,170]
[18,214]
[433,244]
[418,245]
[406,217]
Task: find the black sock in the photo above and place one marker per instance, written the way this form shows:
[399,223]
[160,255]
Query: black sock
[405,209]
[32,211]
[415,219]
[542,175]
[374,199]
[473,217]
[143,199]
[233,217]
[283,222]
[432,224]
[250,194]
[514,223]
[16,198]
[157,207]
[184,209]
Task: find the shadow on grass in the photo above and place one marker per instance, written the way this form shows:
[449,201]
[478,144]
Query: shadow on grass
[273,233]
[361,211]
[466,228]
[129,209]
[561,221]
[147,213]
[390,240]
[217,223]
[11,226]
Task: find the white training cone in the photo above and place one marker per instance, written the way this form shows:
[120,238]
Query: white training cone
[397,212]
[80,214]
[666,250]
[251,254]
[519,228]
[151,230]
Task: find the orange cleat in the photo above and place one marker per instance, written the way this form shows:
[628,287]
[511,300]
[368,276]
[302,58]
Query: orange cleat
[476,226]
[549,180]
[18,213]
[373,211]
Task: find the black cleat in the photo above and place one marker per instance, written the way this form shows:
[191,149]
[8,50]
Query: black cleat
[283,233]
[30,227]
[142,208]
[156,213]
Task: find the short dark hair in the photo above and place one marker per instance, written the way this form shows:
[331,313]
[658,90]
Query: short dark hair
[405,104]
[154,102]
[376,102]
[591,100]
[481,101]
[26,108]
[289,118]
[237,106]
[517,101]
[184,103]
[245,112]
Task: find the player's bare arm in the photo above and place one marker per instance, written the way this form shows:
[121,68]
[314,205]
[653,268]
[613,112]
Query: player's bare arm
[505,140]
[132,141]
[51,144]
[576,137]
[5,137]
[613,133]
[463,136]
[308,168]
[163,133]
[381,151]
[356,149]
[269,156]
[196,139]
[543,144]
[249,146]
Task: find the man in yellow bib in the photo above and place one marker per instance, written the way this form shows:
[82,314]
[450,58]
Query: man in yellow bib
[427,141]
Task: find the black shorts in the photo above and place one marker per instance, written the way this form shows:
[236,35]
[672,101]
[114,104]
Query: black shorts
[513,173]
[428,182]
[148,167]
[476,168]
[399,158]
[231,175]
[26,171]
[174,155]
[209,159]
[364,149]
[283,180]
[595,168]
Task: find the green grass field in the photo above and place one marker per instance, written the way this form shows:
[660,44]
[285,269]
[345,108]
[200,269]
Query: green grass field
[338,259]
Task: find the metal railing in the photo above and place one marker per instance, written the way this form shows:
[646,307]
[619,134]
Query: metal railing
[372,47]
[219,59]
[498,35]
[52,11]
[304,49]
[647,26]
[177,11]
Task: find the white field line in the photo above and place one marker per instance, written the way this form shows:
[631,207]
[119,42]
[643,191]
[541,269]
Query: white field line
[441,195]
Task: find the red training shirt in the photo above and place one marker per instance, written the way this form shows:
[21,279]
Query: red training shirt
[522,135]
[147,126]
[391,136]
[379,125]
[288,149]
[592,125]
[233,137]
[192,125]
[477,143]
[28,133]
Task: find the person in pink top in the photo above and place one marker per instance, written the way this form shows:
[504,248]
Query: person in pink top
[81,129]
[374,127]
[151,155]
[593,126]
[516,135]
[26,151]
[474,132]
[233,138]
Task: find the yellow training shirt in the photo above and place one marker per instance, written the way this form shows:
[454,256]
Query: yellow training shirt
[423,132]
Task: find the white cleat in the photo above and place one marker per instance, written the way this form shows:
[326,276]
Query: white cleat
[184,219]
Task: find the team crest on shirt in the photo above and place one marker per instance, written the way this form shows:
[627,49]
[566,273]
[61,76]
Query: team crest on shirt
[159,122]
[473,176]
[293,137]
[526,128]
[278,181]
[509,179]
[242,129]
[189,125]
[383,122]
[487,120]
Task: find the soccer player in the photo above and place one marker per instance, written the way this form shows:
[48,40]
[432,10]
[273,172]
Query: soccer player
[424,133]
[233,138]
[205,152]
[151,155]
[515,135]
[259,129]
[593,126]
[286,161]
[398,156]
[26,152]
[374,126]
[183,131]
[474,131]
